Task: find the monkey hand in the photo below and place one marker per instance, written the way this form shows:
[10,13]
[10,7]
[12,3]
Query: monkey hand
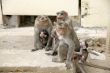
[68,64]
[53,35]
[47,48]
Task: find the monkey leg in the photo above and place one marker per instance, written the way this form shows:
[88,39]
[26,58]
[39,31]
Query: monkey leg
[74,67]
[83,57]
[50,39]
[62,52]
[54,51]
[37,42]
[49,44]
[81,68]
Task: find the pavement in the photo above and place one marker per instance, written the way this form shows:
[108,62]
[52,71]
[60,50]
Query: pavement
[16,45]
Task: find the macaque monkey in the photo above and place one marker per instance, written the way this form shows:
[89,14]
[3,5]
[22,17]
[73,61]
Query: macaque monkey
[44,37]
[41,23]
[83,53]
[65,45]
[63,16]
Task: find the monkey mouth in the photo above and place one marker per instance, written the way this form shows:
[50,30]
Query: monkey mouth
[61,29]
[43,21]
[59,17]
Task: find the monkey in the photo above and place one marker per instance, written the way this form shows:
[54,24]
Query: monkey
[65,45]
[63,16]
[83,53]
[43,37]
[79,58]
[42,22]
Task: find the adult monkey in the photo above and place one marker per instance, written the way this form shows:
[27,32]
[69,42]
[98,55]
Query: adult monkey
[63,16]
[41,23]
[65,45]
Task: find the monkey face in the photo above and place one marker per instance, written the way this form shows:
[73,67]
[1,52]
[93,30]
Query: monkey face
[43,19]
[62,15]
[61,28]
[43,34]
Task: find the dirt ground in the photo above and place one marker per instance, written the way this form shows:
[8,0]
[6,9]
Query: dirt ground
[16,57]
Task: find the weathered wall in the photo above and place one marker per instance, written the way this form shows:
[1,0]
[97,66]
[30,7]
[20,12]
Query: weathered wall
[108,32]
[11,21]
[1,21]
[95,13]
[39,7]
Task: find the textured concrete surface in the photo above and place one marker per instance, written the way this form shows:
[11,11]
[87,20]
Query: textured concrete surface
[16,45]
[17,58]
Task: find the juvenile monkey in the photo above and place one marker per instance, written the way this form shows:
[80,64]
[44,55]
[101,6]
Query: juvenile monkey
[41,23]
[83,53]
[65,45]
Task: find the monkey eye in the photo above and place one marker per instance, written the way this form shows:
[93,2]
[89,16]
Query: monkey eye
[46,17]
[58,13]
[61,13]
[39,17]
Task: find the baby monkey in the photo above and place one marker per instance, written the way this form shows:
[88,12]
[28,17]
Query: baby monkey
[43,37]
[83,53]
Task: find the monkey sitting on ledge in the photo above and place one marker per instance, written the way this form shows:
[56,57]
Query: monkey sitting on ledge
[42,22]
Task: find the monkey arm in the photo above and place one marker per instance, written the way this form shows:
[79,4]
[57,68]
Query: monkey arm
[55,46]
[49,42]
[70,50]
[52,34]
[80,52]
[69,21]
[69,55]
[37,42]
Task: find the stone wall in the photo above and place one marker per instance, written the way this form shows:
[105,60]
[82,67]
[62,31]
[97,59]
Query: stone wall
[95,13]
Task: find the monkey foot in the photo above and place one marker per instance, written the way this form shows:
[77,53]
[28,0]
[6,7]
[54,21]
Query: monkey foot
[47,49]
[34,50]
[57,60]
[68,65]
[52,53]
[80,62]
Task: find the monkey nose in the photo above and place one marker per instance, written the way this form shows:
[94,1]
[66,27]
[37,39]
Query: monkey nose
[42,18]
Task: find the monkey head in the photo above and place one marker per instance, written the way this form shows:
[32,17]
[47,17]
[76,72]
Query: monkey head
[43,20]
[62,15]
[61,28]
[43,34]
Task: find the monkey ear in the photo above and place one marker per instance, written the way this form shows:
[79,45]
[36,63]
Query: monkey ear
[39,16]
[58,13]
[50,22]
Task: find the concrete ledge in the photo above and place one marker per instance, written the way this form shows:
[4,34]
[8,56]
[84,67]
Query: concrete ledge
[33,69]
